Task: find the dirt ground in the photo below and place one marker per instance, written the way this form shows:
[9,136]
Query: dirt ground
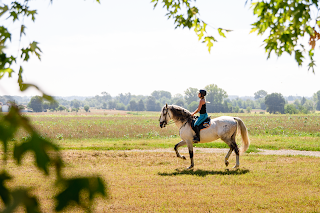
[261,151]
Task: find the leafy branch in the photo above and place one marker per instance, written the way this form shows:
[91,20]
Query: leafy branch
[189,18]
[38,145]
[286,22]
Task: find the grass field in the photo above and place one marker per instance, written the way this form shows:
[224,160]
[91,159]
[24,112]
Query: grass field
[157,182]
[146,125]
[100,143]
[114,130]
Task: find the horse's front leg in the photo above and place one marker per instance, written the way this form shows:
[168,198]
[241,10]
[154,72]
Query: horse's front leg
[181,143]
[190,147]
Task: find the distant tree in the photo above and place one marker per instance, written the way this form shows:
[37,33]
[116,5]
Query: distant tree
[46,105]
[141,106]
[133,106]
[236,109]
[158,94]
[249,109]
[215,95]
[191,94]
[309,105]
[74,109]
[151,104]
[106,96]
[303,100]
[75,103]
[36,103]
[86,108]
[275,103]
[317,94]
[53,104]
[193,106]
[180,102]
[61,108]
[120,106]
[290,109]
[260,94]
[104,105]
[112,104]
[124,98]
[297,103]
[303,110]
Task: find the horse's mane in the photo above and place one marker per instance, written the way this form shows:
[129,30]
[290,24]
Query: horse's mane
[180,113]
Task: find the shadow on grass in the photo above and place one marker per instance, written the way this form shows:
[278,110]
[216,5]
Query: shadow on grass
[203,173]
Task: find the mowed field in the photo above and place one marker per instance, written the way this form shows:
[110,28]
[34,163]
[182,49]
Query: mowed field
[151,179]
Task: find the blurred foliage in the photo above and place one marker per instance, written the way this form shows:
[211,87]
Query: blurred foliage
[46,153]
[186,15]
[285,22]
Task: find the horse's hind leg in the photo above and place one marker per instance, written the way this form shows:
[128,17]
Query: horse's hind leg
[181,143]
[234,146]
[227,157]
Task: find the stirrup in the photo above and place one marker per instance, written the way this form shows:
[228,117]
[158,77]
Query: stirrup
[196,139]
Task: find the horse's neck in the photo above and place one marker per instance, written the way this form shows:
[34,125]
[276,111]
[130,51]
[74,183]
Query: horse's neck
[178,123]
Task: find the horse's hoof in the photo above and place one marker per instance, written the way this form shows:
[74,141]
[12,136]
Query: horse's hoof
[183,157]
[190,167]
[227,163]
[236,167]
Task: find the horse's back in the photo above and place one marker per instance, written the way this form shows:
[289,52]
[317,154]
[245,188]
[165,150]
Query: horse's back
[224,126]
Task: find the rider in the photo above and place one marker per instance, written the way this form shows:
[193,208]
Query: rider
[203,114]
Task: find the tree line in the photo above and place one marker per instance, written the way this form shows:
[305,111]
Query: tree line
[217,101]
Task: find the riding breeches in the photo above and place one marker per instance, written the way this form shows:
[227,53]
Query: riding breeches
[201,119]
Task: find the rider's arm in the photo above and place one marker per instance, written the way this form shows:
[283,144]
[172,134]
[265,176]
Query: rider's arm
[202,101]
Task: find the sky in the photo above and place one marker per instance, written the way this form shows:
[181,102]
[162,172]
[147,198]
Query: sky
[127,46]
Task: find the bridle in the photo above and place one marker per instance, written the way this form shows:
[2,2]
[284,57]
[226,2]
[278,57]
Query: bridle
[164,123]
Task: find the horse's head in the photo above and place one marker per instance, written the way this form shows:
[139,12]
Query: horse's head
[164,116]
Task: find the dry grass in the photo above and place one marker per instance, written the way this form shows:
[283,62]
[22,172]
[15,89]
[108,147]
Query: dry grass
[157,182]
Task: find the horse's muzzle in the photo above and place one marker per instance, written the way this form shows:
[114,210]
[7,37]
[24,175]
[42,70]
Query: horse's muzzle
[162,124]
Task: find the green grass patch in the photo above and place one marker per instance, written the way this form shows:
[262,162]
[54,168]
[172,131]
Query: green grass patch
[257,142]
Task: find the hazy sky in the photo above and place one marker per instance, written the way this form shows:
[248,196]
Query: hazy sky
[126,46]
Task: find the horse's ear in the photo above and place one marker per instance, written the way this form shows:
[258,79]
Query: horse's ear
[166,106]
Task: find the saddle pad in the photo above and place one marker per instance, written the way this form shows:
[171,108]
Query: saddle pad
[204,125]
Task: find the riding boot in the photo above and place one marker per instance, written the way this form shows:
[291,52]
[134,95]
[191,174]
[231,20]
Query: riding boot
[196,138]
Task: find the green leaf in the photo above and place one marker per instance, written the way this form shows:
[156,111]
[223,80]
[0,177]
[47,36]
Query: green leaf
[3,10]
[40,147]
[22,30]
[93,185]
[22,197]
[298,57]
[4,192]
[32,13]
[3,71]
[209,40]
[14,15]
[221,33]
[253,30]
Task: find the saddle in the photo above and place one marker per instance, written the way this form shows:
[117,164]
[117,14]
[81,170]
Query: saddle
[205,124]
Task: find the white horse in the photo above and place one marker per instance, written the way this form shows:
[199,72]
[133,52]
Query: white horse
[224,127]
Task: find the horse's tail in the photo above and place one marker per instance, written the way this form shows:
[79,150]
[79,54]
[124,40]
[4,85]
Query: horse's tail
[244,135]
